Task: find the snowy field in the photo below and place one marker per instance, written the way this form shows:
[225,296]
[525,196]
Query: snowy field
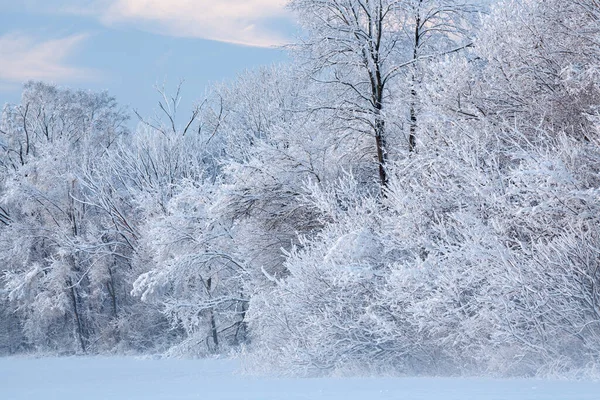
[131,379]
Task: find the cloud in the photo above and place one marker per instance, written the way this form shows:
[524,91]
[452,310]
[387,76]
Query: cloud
[245,22]
[24,58]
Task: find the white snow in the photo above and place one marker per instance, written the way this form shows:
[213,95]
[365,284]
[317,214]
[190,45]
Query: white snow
[148,379]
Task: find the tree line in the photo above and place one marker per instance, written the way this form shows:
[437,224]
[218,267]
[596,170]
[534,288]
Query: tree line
[416,192]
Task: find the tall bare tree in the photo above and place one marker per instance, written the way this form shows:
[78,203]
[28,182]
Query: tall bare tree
[363,46]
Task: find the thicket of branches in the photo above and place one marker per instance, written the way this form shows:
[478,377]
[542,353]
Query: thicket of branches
[418,192]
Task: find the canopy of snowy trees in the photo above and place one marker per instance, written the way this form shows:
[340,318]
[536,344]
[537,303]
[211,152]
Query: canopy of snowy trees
[417,192]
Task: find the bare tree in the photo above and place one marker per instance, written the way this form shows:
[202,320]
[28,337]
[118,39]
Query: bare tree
[363,46]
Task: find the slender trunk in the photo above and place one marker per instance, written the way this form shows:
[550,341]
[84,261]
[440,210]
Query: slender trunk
[21,159]
[377,88]
[242,325]
[381,148]
[25,130]
[111,291]
[213,329]
[76,314]
[110,285]
[213,322]
[412,136]
[72,215]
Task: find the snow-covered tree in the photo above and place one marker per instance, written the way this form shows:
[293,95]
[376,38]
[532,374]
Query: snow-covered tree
[319,317]
[274,144]
[541,64]
[134,189]
[471,265]
[50,273]
[369,52]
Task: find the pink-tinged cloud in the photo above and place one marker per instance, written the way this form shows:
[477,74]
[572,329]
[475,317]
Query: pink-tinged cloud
[24,58]
[242,22]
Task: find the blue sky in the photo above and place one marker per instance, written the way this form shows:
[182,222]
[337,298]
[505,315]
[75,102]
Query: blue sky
[130,46]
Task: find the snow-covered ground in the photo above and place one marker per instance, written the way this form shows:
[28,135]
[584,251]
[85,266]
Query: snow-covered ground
[131,379]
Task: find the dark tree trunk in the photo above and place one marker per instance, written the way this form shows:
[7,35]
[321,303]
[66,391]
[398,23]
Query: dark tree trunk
[377,89]
[77,315]
[110,285]
[412,135]
[381,149]
[213,323]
